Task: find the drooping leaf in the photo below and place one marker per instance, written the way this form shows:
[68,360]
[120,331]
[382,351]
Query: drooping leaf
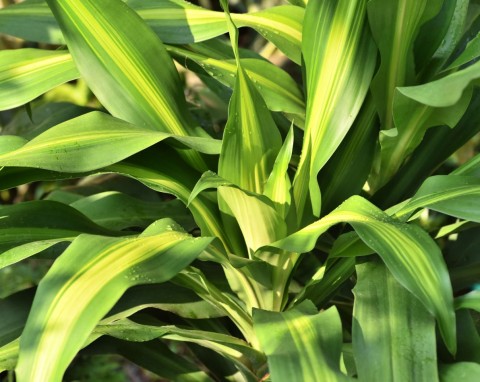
[43,220]
[27,73]
[87,280]
[89,142]
[278,89]
[409,253]
[251,140]
[245,358]
[335,39]
[278,185]
[118,54]
[118,211]
[174,21]
[383,313]
[301,344]
[453,195]
[469,301]
[154,356]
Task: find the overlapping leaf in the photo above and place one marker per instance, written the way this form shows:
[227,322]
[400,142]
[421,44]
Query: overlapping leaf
[410,254]
[301,344]
[174,21]
[89,142]
[383,313]
[335,39]
[86,281]
[28,73]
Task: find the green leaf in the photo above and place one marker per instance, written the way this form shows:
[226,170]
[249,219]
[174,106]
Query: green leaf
[86,281]
[258,220]
[278,185]
[90,142]
[251,140]
[115,210]
[461,371]
[469,301]
[154,356]
[301,344]
[245,358]
[118,54]
[174,21]
[452,195]
[409,253]
[395,25]
[335,39]
[451,87]
[384,312]
[278,89]
[471,52]
[31,20]
[27,73]
[47,220]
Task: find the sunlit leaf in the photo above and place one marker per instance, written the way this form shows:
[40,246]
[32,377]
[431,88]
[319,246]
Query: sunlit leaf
[87,280]
[27,73]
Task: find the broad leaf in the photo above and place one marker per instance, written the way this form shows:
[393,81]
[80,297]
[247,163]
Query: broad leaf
[469,301]
[27,73]
[118,211]
[335,39]
[301,344]
[279,90]
[251,140]
[86,281]
[453,195]
[174,21]
[395,24]
[461,371]
[89,142]
[247,359]
[410,254]
[384,312]
[46,220]
[118,54]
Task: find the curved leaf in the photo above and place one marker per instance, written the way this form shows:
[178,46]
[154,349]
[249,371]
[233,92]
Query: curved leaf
[90,142]
[453,195]
[394,25]
[100,36]
[43,220]
[409,253]
[383,313]
[86,281]
[469,301]
[278,89]
[301,344]
[336,38]
[28,73]
[174,21]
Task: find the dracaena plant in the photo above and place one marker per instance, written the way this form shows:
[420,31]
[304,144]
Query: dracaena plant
[316,234]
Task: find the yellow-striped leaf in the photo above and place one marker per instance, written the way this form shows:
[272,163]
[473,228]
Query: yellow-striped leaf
[92,141]
[383,313]
[301,344]
[86,281]
[278,89]
[251,140]
[457,196]
[409,252]
[335,40]
[28,73]
[120,58]
[395,24]
[174,21]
